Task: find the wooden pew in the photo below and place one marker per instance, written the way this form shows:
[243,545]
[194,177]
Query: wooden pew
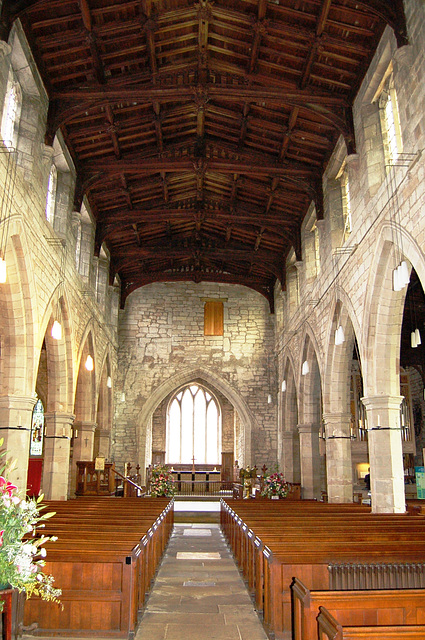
[104,562]
[330,629]
[309,540]
[355,608]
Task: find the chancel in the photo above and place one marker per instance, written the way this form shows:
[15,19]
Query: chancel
[212,268]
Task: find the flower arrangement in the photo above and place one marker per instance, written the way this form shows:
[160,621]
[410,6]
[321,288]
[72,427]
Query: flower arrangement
[275,485]
[162,482]
[21,552]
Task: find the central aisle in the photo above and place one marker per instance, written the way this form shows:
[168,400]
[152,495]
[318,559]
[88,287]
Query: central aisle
[198,592]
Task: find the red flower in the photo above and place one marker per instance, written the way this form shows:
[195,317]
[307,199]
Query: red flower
[1,537]
[6,486]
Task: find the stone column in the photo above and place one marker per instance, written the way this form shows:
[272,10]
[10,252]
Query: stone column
[310,460]
[290,459]
[385,453]
[15,429]
[83,447]
[104,442]
[338,457]
[57,447]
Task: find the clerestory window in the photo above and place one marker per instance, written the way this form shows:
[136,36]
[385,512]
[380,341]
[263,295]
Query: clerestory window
[390,121]
[193,427]
[51,194]
[10,114]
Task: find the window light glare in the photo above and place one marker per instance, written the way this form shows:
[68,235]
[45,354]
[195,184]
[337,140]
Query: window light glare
[57,330]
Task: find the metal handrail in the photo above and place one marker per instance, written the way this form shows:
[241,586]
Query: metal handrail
[129,481]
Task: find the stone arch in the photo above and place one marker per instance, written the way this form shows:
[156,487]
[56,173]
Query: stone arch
[18,320]
[59,353]
[85,391]
[383,312]
[288,437]
[104,407]
[172,383]
[310,416]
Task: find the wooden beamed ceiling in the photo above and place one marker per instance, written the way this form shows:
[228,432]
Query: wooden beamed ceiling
[200,130]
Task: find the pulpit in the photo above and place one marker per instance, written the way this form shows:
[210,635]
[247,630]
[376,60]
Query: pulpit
[95,482]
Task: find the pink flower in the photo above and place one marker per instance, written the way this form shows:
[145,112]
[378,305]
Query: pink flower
[1,537]
[6,486]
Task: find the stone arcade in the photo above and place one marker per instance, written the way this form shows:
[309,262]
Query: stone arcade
[140,184]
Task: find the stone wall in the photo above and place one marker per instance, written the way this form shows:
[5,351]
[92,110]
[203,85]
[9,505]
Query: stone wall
[162,345]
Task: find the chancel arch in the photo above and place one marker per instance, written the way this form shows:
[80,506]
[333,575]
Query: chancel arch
[241,416]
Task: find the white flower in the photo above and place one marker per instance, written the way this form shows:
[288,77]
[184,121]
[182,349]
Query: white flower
[43,552]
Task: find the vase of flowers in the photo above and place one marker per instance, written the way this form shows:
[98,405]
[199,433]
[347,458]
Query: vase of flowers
[162,482]
[22,550]
[275,486]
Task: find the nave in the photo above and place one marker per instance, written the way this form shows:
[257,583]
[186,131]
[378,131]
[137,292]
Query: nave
[198,592]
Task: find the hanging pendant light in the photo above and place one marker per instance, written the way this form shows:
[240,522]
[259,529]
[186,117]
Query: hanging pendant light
[283,386]
[396,280]
[413,342]
[89,363]
[123,397]
[339,335]
[305,368]
[3,274]
[269,398]
[56,330]
[418,337]
[404,273]
[109,382]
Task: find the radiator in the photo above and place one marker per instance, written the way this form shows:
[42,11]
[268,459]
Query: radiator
[344,577]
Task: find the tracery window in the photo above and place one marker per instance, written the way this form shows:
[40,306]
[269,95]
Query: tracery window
[10,114]
[193,427]
[37,429]
[51,194]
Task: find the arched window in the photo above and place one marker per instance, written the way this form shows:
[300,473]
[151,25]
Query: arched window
[51,194]
[10,114]
[37,429]
[193,427]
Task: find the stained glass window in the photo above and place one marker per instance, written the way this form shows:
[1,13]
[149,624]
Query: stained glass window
[37,429]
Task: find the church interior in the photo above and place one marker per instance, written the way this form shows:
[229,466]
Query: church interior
[212,255]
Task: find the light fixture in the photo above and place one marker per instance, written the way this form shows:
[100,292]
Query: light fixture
[109,382]
[401,276]
[418,337]
[89,363]
[123,397]
[283,386]
[269,398]
[57,330]
[305,368]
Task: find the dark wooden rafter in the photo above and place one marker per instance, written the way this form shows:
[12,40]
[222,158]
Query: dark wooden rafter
[200,131]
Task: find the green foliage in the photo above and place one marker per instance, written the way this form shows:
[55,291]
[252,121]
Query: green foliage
[162,482]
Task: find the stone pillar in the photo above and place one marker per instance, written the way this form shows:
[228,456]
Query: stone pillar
[290,459]
[83,447]
[338,457]
[385,453]
[57,447]
[310,460]
[15,429]
[104,441]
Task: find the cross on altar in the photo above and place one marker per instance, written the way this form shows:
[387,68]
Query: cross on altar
[193,464]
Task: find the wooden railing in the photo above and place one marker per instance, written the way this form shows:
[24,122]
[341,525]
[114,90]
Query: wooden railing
[203,488]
